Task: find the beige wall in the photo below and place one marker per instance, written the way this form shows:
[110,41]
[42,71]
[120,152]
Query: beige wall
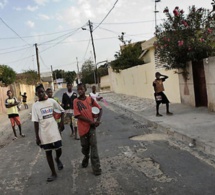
[209,66]
[105,83]
[187,87]
[16,89]
[3,96]
[138,80]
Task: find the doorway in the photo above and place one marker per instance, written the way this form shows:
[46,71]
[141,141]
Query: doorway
[199,82]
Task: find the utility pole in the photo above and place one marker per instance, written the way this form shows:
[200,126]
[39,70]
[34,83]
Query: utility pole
[38,63]
[78,75]
[94,52]
[156,1]
[52,77]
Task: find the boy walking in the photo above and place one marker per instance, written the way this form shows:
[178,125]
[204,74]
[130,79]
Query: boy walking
[46,129]
[67,104]
[11,104]
[87,128]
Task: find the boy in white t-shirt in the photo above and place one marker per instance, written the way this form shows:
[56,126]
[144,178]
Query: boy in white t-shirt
[46,129]
[95,95]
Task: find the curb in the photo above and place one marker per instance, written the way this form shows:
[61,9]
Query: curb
[206,148]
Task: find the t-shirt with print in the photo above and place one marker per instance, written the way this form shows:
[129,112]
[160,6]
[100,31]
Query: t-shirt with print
[84,108]
[12,111]
[42,112]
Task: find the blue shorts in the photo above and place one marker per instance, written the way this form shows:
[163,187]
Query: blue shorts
[52,146]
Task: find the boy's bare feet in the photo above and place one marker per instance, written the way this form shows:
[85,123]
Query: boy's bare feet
[158,115]
[169,113]
[51,178]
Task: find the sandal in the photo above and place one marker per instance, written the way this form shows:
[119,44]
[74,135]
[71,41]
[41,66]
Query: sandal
[51,178]
[22,135]
[15,138]
[59,164]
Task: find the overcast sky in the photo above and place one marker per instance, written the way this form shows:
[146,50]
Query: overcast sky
[55,25]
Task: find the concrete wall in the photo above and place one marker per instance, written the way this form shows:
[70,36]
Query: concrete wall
[138,80]
[209,66]
[16,89]
[105,83]
[3,96]
[187,87]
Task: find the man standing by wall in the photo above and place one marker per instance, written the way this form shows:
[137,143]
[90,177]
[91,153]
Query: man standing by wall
[160,97]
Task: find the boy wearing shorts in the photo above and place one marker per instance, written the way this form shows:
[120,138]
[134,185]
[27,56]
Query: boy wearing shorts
[46,129]
[11,104]
[67,103]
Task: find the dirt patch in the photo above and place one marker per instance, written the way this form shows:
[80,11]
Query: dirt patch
[150,137]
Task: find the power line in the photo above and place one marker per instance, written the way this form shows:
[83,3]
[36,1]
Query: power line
[137,22]
[106,15]
[39,35]
[17,50]
[86,49]
[59,42]
[13,31]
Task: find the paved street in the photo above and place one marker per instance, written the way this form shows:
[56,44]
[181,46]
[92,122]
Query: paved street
[150,165]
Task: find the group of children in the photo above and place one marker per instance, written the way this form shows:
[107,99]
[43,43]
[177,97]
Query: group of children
[79,110]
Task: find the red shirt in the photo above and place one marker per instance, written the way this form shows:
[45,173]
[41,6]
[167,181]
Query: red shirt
[84,108]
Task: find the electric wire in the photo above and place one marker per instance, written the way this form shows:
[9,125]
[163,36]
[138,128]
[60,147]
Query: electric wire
[13,31]
[58,42]
[106,16]
[39,35]
[86,50]
[17,50]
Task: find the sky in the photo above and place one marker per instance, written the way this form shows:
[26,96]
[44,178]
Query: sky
[56,27]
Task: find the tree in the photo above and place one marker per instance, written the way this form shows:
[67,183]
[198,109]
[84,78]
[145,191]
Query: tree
[87,72]
[29,77]
[7,75]
[182,38]
[58,74]
[127,57]
[70,76]
[102,71]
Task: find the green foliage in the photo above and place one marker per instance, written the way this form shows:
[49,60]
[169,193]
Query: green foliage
[7,75]
[31,77]
[182,38]
[102,71]
[70,76]
[127,58]
[57,74]
[87,72]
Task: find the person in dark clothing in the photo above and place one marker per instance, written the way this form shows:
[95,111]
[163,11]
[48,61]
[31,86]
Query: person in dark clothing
[160,97]
[67,104]
[24,100]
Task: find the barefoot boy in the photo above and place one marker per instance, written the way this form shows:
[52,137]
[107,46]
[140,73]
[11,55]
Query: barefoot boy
[87,128]
[11,104]
[46,129]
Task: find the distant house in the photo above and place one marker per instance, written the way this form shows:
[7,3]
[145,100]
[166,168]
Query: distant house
[47,79]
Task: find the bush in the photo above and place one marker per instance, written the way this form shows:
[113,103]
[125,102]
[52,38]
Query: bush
[182,38]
